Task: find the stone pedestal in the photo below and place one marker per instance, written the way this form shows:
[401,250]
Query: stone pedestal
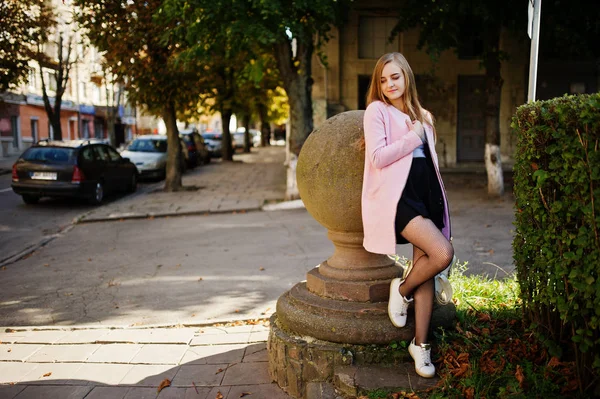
[344,299]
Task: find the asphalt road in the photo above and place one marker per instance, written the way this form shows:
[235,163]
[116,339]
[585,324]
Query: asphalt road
[23,227]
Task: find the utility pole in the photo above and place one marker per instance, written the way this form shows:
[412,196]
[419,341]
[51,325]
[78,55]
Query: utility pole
[533,29]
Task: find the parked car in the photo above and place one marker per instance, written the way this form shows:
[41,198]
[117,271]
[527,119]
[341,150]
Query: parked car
[197,148]
[149,155]
[237,140]
[214,142]
[78,168]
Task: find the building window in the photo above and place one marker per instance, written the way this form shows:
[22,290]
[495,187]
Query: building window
[32,78]
[96,94]
[83,89]
[34,130]
[470,43]
[52,80]
[85,129]
[14,125]
[374,35]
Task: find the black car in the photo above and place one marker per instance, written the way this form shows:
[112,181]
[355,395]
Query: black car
[197,149]
[79,168]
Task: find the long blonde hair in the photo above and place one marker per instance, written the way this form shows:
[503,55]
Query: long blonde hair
[412,105]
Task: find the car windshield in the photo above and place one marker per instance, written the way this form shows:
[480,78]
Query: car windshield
[148,146]
[212,136]
[57,155]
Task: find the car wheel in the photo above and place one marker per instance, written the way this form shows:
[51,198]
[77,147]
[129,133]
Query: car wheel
[133,183]
[31,199]
[98,194]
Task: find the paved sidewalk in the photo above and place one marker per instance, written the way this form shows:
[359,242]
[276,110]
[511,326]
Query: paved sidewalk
[198,362]
[219,187]
[73,361]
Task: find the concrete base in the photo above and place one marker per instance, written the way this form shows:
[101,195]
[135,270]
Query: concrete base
[303,366]
[306,313]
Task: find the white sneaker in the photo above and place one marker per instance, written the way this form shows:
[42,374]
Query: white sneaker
[443,288]
[397,304]
[421,354]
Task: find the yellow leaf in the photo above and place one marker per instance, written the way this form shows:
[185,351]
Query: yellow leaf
[47,375]
[219,395]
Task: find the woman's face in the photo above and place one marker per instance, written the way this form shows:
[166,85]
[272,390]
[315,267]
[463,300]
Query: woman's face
[392,82]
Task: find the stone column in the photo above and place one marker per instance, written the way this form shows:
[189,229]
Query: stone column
[344,299]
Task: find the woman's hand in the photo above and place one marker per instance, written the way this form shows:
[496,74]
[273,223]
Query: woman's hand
[416,127]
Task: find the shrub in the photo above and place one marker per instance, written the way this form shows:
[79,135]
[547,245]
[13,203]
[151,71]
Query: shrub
[557,243]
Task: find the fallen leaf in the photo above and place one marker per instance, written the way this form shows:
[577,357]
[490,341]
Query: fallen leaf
[46,265]
[237,311]
[245,394]
[219,395]
[9,350]
[519,376]
[178,265]
[10,330]
[261,269]
[165,383]
[47,375]
[3,267]
[89,259]
[491,251]
[200,279]
[219,371]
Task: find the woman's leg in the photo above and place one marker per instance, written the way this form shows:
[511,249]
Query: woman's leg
[432,253]
[423,296]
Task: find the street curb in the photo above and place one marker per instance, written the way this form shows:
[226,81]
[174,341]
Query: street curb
[161,215]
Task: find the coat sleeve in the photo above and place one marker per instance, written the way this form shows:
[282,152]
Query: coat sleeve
[378,150]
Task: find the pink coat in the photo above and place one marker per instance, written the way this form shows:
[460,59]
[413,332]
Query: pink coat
[388,158]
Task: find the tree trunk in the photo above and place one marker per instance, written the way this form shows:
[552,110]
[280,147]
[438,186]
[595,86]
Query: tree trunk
[297,82]
[246,121]
[174,156]
[265,127]
[226,149]
[493,86]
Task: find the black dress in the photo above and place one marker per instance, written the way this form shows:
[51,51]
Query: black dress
[422,196]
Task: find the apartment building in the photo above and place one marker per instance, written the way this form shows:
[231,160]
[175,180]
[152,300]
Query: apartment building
[89,101]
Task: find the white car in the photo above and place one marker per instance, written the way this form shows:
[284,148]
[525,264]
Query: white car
[149,155]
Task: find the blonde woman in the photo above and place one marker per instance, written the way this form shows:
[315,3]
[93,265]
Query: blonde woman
[403,197]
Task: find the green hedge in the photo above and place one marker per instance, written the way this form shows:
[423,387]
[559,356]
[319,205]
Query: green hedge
[557,244]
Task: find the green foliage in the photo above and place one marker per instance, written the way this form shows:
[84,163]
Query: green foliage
[25,25]
[557,243]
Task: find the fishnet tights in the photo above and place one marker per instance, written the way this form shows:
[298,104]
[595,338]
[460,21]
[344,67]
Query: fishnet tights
[432,253]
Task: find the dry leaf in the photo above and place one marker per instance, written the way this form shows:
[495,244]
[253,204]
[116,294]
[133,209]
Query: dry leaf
[10,330]
[47,375]
[261,268]
[165,383]
[245,394]
[200,279]
[46,265]
[3,267]
[237,311]
[219,395]
[219,371]
[491,251]
[9,350]
[89,259]
[520,377]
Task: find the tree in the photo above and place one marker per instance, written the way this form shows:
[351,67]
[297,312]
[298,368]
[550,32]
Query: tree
[131,34]
[448,24]
[288,29]
[24,26]
[61,68]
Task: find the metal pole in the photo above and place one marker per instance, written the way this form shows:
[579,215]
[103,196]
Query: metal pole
[533,58]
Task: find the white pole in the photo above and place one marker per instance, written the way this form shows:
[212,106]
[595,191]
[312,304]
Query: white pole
[535,41]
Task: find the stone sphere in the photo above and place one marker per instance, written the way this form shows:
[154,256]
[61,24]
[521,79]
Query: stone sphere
[330,172]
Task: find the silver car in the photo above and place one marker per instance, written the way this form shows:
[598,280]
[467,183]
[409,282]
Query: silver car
[149,155]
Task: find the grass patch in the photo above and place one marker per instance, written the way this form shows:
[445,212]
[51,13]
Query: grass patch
[491,353]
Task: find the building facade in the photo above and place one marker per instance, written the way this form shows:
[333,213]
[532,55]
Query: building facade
[451,88]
